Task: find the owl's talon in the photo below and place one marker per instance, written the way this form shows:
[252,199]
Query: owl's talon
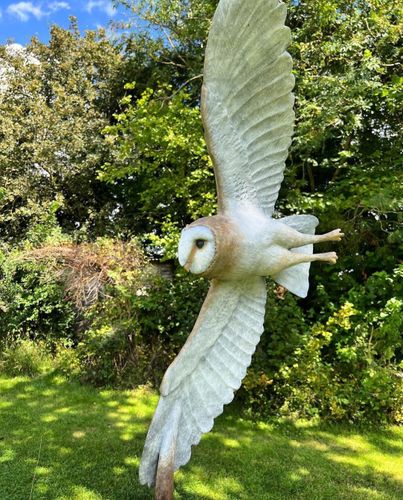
[335,235]
[330,257]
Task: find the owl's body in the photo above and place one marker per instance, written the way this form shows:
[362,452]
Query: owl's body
[249,243]
[247,111]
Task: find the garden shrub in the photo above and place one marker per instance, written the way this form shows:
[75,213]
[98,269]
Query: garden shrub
[101,309]
[25,357]
[32,301]
[138,329]
[346,368]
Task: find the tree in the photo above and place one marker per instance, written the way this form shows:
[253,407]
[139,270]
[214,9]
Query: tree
[345,161]
[160,162]
[54,103]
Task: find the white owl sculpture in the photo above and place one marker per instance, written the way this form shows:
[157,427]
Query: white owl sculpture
[247,109]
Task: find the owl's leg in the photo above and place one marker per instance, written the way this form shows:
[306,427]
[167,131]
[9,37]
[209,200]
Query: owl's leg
[294,258]
[291,238]
[286,258]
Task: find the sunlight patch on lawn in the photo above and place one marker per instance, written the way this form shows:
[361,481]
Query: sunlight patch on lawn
[7,455]
[49,418]
[231,443]
[42,471]
[23,396]
[132,461]
[112,404]
[119,471]
[361,492]
[316,445]
[79,434]
[368,458]
[65,410]
[127,436]
[119,416]
[294,443]
[80,493]
[41,488]
[48,393]
[8,383]
[222,489]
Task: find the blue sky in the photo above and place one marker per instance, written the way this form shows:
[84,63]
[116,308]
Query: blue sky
[21,19]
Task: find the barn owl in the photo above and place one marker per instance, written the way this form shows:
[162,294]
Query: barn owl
[247,111]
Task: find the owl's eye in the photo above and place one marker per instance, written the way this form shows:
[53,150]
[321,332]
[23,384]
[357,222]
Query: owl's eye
[200,243]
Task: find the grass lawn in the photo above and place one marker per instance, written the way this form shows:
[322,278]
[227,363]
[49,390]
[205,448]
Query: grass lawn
[60,440]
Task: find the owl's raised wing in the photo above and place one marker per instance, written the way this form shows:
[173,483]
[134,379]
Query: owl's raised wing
[206,373]
[247,101]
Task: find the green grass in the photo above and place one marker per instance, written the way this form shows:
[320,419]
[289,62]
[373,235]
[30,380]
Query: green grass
[65,441]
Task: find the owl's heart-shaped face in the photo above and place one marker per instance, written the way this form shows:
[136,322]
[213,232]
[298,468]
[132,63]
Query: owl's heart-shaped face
[197,249]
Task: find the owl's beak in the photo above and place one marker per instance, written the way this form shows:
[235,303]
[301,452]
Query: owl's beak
[189,262]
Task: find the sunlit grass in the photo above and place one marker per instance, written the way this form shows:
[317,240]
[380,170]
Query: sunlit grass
[66,441]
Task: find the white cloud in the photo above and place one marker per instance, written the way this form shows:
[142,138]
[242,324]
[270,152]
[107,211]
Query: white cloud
[104,5]
[55,6]
[23,10]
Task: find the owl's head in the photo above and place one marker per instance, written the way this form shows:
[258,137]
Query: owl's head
[209,247]
[197,249]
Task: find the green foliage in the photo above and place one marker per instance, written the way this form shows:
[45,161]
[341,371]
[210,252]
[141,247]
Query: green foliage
[55,101]
[32,301]
[347,368]
[345,163]
[158,147]
[25,357]
[171,51]
[102,311]
[344,368]
[138,329]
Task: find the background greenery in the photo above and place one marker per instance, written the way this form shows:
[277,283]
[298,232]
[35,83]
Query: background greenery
[103,161]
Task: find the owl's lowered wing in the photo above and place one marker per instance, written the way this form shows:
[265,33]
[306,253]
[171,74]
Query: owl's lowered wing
[247,101]
[207,371]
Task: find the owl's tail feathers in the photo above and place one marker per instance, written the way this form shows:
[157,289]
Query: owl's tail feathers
[296,278]
[158,461]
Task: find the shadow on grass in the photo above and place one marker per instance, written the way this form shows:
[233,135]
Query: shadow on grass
[89,445]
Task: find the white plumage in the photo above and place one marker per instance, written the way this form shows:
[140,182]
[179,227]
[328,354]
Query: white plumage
[208,370]
[247,110]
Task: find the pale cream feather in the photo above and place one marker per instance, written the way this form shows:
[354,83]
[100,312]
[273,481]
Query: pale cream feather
[209,369]
[247,101]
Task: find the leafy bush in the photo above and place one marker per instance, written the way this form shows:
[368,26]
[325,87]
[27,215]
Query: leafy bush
[348,367]
[32,301]
[102,313]
[25,357]
[138,329]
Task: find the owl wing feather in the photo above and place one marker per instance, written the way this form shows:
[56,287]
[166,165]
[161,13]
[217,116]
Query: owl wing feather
[207,371]
[247,101]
